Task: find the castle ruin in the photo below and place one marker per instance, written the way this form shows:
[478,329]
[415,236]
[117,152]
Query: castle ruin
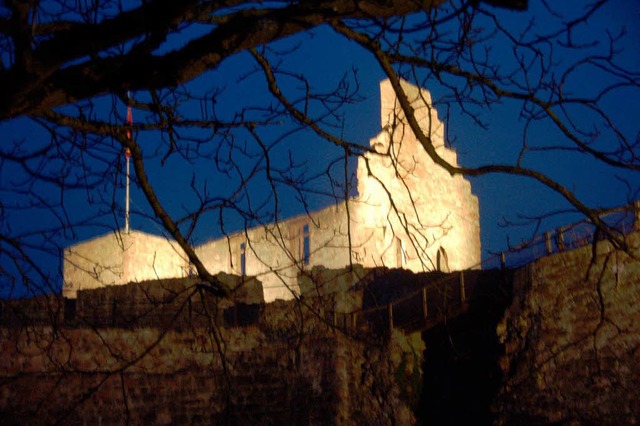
[409,213]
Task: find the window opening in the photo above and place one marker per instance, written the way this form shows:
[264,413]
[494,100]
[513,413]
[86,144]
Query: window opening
[306,245]
[401,253]
[442,260]
[243,259]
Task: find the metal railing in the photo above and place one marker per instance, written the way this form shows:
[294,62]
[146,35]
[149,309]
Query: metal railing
[624,220]
[444,297]
[449,295]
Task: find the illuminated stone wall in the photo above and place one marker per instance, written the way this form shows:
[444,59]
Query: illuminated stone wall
[94,263]
[410,213]
[275,254]
[119,258]
[408,209]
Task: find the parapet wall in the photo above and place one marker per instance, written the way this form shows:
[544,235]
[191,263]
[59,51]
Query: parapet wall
[169,303]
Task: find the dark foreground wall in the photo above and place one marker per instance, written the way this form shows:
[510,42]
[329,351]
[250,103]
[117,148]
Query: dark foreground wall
[572,340]
[563,348]
[289,368]
[561,345]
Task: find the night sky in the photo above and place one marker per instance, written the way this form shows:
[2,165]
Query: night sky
[324,59]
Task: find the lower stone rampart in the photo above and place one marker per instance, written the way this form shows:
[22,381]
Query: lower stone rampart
[565,350]
[290,367]
[572,339]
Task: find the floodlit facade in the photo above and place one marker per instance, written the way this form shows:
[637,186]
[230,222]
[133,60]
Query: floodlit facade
[409,213]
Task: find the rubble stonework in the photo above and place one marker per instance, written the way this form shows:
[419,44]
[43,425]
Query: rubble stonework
[565,352]
[432,224]
[289,368]
[572,339]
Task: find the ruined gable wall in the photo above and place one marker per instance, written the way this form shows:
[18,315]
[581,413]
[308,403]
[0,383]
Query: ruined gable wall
[428,208]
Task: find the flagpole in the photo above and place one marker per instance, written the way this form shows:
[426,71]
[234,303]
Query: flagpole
[127,154]
[126,206]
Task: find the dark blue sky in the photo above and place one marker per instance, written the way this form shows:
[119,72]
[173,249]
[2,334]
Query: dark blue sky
[325,58]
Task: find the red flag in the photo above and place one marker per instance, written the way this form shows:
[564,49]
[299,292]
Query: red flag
[127,152]
[129,121]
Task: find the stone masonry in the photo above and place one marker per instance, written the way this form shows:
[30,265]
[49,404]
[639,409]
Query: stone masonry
[566,350]
[164,352]
[572,339]
[409,213]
